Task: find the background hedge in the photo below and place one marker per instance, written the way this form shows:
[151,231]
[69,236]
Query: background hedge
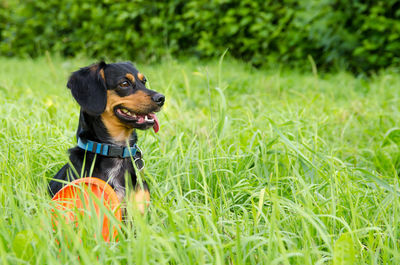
[358,35]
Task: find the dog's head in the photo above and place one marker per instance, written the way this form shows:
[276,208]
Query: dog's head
[117,93]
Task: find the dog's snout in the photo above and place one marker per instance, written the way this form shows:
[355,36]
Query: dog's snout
[158,99]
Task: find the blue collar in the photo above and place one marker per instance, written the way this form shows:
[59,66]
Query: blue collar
[109,150]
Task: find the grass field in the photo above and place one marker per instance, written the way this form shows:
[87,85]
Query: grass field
[249,167]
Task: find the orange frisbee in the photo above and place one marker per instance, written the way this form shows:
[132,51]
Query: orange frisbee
[76,195]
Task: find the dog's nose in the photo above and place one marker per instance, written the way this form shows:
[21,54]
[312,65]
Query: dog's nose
[158,99]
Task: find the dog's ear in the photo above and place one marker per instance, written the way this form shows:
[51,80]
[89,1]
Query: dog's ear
[88,87]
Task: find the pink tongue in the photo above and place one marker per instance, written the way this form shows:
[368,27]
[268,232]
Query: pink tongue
[156,125]
[141,120]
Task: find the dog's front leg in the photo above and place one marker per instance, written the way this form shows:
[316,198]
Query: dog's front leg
[140,197]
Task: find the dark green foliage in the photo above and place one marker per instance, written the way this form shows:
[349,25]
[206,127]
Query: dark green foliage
[358,35]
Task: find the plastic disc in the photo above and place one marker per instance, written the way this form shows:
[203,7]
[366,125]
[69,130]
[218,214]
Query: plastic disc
[77,195]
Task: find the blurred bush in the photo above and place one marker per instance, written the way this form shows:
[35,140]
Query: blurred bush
[358,35]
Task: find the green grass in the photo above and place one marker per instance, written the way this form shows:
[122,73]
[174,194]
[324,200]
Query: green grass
[249,167]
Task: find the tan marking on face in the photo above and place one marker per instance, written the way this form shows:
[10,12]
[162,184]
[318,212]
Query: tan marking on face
[140,76]
[139,103]
[130,77]
[118,131]
[102,74]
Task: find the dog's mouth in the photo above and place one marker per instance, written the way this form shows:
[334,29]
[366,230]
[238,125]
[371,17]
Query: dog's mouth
[140,121]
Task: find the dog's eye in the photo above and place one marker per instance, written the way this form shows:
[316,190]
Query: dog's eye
[124,84]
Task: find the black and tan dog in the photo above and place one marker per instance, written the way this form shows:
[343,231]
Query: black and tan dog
[114,102]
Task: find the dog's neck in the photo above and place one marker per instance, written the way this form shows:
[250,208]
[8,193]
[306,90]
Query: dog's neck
[92,128]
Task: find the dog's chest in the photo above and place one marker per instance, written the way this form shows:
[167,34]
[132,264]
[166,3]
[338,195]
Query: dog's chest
[115,174]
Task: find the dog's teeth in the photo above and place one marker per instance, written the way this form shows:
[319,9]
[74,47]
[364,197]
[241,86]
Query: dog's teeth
[146,118]
[127,112]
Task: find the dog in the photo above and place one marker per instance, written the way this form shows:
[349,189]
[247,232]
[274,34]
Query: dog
[114,102]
